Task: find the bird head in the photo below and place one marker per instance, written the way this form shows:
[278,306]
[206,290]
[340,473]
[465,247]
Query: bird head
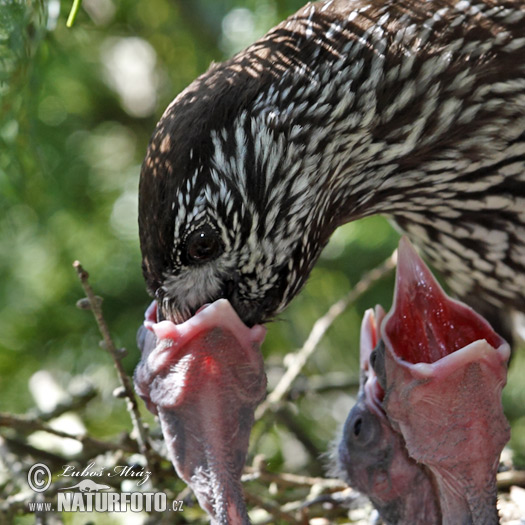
[203,379]
[221,212]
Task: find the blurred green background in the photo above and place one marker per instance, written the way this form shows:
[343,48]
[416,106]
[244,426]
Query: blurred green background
[77,107]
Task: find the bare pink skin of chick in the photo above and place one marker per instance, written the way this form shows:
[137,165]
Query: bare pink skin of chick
[204,378]
[372,457]
[443,371]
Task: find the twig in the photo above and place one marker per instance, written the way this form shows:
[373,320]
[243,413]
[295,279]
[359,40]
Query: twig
[285,480]
[320,492]
[75,8]
[28,424]
[338,500]
[131,400]
[319,329]
[270,507]
[510,477]
[20,448]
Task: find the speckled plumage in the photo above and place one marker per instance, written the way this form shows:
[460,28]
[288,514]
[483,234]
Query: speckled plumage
[414,110]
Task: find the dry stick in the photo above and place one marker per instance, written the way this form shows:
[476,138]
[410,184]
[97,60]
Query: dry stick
[28,424]
[319,329]
[131,400]
[304,504]
[289,480]
[509,478]
[321,490]
[269,507]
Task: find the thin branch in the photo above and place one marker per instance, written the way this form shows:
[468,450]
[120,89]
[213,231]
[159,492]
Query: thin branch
[29,424]
[339,500]
[20,448]
[318,331]
[288,480]
[270,507]
[131,400]
[320,492]
[75,8]
[509,478]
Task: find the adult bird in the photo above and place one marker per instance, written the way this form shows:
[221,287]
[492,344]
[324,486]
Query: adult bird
[349,108]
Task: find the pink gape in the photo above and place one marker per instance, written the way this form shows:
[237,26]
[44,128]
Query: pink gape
[204,379]
[441,368]
[372,457]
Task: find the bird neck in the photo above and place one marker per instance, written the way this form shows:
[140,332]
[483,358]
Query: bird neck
[358,100]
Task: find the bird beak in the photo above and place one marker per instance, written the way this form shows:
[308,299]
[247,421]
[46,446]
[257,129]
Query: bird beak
[204,379]
[425,324]
[371,455]
[443,372]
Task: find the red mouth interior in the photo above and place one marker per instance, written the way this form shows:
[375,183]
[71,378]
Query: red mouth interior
[425,325]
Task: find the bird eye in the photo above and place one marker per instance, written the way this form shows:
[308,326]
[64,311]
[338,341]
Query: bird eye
[203,245]
[358,423]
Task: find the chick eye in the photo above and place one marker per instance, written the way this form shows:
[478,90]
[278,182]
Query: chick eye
[358,423]
[203,245]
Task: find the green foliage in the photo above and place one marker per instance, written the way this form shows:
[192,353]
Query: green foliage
[70,154]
